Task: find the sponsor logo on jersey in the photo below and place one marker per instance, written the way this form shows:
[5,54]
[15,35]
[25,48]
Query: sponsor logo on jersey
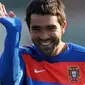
[38,71]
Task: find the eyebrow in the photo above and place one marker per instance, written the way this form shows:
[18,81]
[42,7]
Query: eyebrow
[50,26]
[35,26]
[38,26]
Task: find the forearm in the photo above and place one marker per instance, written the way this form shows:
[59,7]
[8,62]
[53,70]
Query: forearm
[11,45]
[9,61]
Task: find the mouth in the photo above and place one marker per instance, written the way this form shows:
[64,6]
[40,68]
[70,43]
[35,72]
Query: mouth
[45,43]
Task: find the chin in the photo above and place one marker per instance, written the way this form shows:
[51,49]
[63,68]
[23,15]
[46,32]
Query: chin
[47,53]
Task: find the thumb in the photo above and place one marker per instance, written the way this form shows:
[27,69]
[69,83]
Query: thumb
[12,14]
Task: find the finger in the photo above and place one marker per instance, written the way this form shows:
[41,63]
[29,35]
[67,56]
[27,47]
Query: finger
[1,14]
[12,14]
[4,10]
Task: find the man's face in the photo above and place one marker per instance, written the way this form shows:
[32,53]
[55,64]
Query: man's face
[46,33]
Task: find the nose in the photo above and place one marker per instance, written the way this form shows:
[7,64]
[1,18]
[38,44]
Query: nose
[44,35]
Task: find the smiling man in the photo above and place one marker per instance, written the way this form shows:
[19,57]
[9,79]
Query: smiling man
[49,61]
[46,33]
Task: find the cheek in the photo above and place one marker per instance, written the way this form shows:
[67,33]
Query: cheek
[34,36]
[54,34]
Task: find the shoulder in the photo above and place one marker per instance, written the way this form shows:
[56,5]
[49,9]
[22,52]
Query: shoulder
[23,49]
[77,48]
[76,53]
[27,50]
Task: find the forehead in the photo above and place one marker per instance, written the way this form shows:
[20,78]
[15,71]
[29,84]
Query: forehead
[43,19]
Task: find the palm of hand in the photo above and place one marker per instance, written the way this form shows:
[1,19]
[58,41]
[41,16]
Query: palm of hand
[10,21]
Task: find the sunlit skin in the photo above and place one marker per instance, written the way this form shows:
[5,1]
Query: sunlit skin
[46,33]
[3,12]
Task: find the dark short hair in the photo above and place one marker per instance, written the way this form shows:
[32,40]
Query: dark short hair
[52,7]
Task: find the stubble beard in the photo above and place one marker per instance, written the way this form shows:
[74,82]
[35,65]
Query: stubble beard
[49,50]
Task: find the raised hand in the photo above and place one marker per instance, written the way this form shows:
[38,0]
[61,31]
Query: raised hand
[9,20]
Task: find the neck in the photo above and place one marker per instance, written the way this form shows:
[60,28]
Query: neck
[60,48]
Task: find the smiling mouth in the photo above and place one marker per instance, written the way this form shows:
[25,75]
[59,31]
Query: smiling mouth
[45,43]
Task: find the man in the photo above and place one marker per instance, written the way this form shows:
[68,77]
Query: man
[49,61]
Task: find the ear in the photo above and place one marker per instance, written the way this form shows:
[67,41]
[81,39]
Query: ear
[64,27]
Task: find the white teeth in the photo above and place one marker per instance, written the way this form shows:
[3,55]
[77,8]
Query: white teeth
[45,43]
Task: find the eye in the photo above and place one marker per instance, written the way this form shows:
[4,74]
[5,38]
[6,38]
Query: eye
[51,27]
[35,28]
